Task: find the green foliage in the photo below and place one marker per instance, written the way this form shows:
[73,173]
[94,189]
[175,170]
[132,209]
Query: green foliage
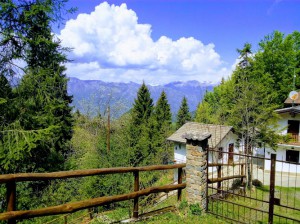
[162,128]
[25,32]
[278,57]
[142,107]
[236,183]
[141,129]
[183,114]
[6,97]
[90,152]
[183,205]
[195,209]
[17,148]
[44,105]
[39,126]
[257,183]
[162,113]
[258,85]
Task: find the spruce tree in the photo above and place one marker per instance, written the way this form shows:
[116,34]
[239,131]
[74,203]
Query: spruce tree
[183,114]
[44,115]
[141,128]
[162,113]
[143,106]
[6,97]
[163,120]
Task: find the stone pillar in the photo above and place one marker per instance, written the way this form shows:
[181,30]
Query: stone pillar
[196,167]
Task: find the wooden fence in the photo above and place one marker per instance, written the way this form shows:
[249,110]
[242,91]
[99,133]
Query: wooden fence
[11,179]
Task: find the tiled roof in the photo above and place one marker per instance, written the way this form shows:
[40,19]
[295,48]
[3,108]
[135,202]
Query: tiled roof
[295,110]
[218,132]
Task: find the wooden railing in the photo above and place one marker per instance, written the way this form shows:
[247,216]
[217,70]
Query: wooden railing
[11,179]
[294,137]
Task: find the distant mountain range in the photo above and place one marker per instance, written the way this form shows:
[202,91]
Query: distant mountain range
[93,96]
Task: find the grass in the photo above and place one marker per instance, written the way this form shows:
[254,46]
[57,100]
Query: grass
[191,214]
[179,217]
[182,214]
[288,197]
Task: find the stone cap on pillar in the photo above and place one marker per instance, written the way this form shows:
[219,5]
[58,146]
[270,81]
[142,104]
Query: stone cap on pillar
[196,136]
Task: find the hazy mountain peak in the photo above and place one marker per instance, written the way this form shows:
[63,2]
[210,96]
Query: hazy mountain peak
[93,96]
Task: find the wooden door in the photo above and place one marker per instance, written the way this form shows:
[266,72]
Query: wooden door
[230,153]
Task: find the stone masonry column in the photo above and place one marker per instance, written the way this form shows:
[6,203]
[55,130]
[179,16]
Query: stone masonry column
[196,167]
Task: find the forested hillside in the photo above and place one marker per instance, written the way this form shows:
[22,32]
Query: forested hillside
[259,84]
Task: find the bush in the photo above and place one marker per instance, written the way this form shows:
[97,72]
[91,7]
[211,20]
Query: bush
[195,209]
[257,183]
[236,183]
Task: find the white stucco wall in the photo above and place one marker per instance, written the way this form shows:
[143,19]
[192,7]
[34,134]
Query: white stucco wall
[229,139]
[180,152]
[281,151]
[281,155]
[283,122]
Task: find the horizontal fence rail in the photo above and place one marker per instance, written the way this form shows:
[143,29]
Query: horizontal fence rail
[19,177]
[76,206]
[11,179]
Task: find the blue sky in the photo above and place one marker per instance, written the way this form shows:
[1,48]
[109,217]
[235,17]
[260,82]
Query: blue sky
[159,41]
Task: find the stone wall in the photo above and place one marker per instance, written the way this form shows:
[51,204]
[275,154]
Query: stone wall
[196,171]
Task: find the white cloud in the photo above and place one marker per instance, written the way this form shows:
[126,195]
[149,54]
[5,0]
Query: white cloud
[109,44]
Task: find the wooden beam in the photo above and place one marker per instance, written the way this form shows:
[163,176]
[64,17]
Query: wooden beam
[214,180]
[81,173]
[76,206]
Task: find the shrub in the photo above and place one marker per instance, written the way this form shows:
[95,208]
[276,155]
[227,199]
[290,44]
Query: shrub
[195,209]
[236,183]
[257,183]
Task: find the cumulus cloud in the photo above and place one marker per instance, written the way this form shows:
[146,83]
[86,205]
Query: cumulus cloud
[109,44]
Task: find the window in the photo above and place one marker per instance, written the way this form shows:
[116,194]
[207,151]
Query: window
[220,156]
[292,156]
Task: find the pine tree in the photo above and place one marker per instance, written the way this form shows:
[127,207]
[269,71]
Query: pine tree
[44,115]
[183,114]
[162,113]
[143,106]
[141,128]
[5,98]
[163,120]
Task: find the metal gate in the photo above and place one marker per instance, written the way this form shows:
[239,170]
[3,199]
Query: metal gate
[273,196]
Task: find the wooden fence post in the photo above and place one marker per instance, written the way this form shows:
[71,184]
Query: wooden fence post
[219,170]
[11,199]
[180,174]
[242,173]
[136,200]
[272,188]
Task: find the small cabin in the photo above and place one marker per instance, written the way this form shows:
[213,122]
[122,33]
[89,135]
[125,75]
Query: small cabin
[222,140]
